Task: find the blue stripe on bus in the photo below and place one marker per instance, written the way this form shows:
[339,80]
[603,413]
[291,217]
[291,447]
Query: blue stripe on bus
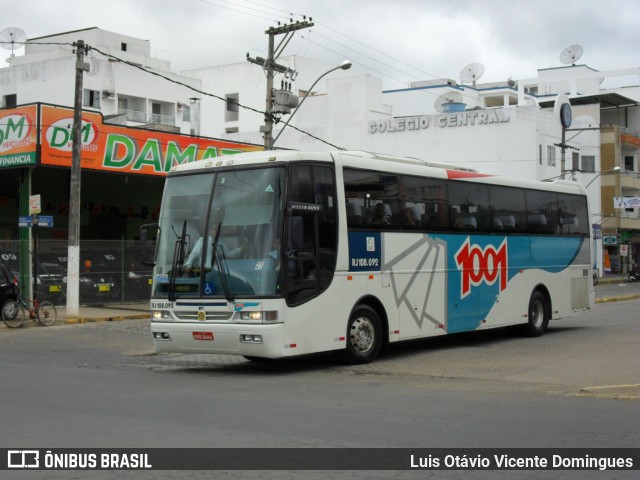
[466,312]
[472,291]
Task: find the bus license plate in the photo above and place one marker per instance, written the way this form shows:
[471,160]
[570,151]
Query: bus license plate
[207,336]
[54,288]
[104,288]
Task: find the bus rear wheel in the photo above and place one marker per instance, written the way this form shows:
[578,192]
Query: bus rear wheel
[364,336]
[538,315]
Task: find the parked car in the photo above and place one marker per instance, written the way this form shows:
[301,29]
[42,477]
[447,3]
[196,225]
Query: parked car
[98,278]
[51,279]
[8,291]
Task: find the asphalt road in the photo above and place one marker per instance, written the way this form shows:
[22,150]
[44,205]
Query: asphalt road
[101,385]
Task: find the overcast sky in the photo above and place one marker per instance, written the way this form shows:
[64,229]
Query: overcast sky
[398,41]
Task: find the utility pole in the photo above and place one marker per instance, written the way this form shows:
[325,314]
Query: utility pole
[563,145]
[73,256]
[270,66]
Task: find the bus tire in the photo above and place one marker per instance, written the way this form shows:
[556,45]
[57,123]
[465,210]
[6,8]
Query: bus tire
[364,336]
[538,315]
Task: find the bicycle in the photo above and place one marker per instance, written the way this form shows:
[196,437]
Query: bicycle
[13,312]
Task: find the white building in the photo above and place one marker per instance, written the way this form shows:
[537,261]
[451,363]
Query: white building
[126,94]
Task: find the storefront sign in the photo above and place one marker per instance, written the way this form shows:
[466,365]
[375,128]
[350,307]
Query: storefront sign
[609,240]
[18,137]
[120,149]
[458,119]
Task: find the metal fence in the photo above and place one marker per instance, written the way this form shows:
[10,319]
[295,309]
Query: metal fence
[110,270]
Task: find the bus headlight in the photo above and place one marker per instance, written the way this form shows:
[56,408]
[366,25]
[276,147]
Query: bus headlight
[159,315]
[261,317]
[248,338]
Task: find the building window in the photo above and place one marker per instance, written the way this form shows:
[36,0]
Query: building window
[9,101]
[186,114]
[575,161]
[231,130]
[156,113]
[232,111]
[92,98]
[540,154]
[123,47]
[551,155]
[588,163]
[628,163]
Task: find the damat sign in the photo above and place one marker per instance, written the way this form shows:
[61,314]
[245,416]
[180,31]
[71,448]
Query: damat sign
[103,147]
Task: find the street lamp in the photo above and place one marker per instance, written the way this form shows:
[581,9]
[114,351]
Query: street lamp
[345,65]
[614,169]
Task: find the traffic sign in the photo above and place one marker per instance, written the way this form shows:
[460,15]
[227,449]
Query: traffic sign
[45,221]
[39,220]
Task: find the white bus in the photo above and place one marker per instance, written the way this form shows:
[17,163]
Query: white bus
[346,251]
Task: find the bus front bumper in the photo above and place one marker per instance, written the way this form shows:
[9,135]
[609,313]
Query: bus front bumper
[259,340]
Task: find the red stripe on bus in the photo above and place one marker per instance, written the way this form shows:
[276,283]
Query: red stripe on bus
[462,174]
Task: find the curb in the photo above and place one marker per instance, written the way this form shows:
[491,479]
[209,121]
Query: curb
[618,392]
[74,321]
[618,299]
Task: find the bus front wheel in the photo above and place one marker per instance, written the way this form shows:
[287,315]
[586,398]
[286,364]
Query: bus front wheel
[364,336]
[538,315]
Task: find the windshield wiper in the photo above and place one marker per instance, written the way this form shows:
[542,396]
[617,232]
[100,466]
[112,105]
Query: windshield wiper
[223,269]
[178,261]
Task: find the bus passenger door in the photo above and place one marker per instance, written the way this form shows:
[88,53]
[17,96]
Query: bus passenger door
[311,233]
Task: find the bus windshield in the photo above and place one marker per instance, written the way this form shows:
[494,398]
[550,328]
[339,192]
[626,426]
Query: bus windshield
[220,235]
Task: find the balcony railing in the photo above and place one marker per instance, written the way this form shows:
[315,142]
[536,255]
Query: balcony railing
[162,119]
[143,117]
[133,115]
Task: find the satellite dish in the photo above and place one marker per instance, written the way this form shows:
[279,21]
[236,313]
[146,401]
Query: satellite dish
[471,73]
[10,36]
[571,54]
[449,102]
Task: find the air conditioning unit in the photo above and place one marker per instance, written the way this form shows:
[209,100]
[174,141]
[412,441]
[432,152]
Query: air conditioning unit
[108,94]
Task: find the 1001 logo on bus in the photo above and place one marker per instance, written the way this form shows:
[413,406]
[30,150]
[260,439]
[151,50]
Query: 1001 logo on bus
[482,265]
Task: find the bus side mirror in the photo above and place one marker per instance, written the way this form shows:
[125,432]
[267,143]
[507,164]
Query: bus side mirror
[144,259]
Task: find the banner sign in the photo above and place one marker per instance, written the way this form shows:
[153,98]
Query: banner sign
[626,202]
[114,148]
[18,136]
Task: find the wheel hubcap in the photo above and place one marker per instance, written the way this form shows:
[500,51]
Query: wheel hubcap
[10,311]
[537,314]
[362,334]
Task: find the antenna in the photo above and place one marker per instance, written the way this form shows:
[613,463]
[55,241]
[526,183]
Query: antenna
[571,54]
[471,73]
[12,35]
[449,102]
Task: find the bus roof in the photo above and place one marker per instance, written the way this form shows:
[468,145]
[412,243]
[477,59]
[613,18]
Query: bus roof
[382,163]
